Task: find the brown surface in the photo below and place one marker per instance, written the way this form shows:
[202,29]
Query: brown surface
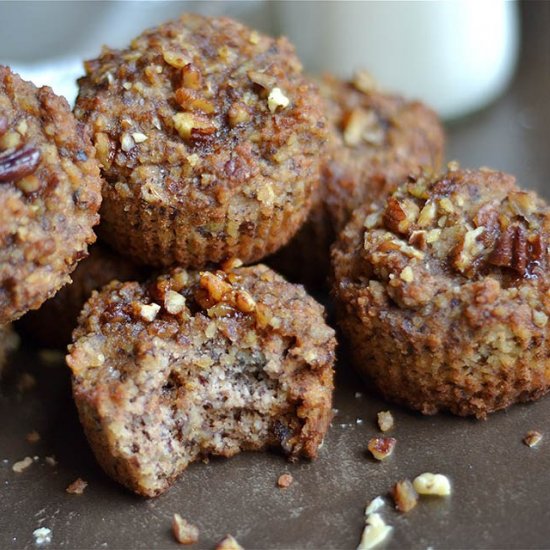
[442,292]
[49,194]
[501,486]
[200,162]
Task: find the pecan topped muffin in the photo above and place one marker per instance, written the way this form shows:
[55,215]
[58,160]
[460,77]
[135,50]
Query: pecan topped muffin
[49,194]
[444,292]
[376,140]
[193,364]
[210,138]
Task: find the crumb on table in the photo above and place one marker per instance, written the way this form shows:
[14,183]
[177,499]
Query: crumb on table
[229,543]
[532,438]
[77,487]
[285,480]
[184,532]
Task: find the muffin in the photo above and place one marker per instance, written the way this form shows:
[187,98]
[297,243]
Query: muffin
[443,293]
[193,364]
[210,139]
[376,140]
[49,194]
[8,343]
[51,325]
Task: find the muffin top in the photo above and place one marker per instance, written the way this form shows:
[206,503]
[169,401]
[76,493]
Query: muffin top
[465,236]
[376,140]
[197,108]
[246,308]
[49,194]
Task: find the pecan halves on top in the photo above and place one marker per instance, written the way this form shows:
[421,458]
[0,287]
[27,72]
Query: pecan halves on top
[399,216]
[18,163]
[514,250]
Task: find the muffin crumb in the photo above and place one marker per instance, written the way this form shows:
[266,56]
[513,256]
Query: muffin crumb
[374,505]
[184,532]
[381,447]
[42,536]
[404,495]
[285,480]
[385,421]
[374,533]
[229,543]
[77,487]
[432,484]
[532,438]
[21,465]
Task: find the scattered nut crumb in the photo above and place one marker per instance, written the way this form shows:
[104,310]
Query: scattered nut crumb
[277,99]
[404,495]
[285,480]
[77,487]
[374,533]
[385,421]
[184,532]
[532,438]
[432,484]
[42,536]
[51,461]
[374,505]
[33,437]
[381,447]
[22,465]
[229,543]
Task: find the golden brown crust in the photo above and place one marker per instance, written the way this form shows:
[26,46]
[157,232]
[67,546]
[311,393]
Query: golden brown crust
[51,326]
[49,194]
[443,293]
[210,140]
[201,363]
[376,140]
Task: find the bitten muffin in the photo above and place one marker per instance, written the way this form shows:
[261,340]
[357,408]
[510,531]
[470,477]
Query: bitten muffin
[193,364]
[51,326]
[8,343]
[210,140]
[443,293]
[49,194]
[376,140]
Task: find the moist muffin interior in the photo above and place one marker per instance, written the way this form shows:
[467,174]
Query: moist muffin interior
[223,374]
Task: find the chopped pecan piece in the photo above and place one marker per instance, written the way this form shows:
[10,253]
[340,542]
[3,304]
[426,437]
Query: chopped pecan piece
[16,164]
[381,447]
[394,215]
[404,495]
[513,249]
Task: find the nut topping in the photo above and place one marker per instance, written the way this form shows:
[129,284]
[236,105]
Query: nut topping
[511,249]
[17,164]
